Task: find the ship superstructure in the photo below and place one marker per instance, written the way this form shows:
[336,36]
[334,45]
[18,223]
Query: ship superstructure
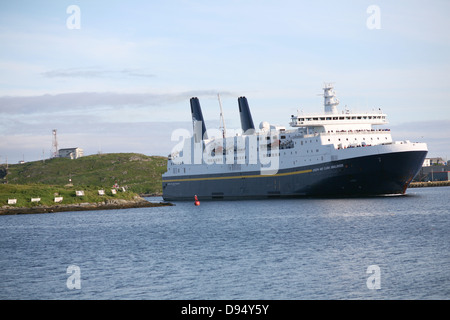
[328,154]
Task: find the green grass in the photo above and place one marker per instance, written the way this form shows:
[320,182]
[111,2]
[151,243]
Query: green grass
[137,172]
[47,193]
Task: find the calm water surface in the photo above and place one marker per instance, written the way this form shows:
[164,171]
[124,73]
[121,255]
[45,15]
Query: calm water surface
[265,249]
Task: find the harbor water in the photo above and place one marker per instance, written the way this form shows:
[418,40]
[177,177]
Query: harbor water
[391,247]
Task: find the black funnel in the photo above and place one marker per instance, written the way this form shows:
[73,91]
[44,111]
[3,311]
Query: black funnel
[246,117]
[197,121]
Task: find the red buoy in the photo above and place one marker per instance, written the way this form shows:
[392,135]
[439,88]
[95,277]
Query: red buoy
[197,203]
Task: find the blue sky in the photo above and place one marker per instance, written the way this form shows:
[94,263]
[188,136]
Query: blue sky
[122,81]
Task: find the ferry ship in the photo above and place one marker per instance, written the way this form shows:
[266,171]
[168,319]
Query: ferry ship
[328,154]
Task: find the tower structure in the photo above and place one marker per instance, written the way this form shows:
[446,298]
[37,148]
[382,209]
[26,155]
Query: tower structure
[330,100]
[55,144]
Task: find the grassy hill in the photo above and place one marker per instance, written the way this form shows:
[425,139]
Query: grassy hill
[139,173]
[47,193]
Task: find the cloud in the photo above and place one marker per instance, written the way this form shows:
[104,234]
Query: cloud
[85,101]
[95,72]
[93,121]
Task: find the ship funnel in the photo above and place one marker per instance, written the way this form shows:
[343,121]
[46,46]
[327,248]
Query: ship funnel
[246,117]
[197,121]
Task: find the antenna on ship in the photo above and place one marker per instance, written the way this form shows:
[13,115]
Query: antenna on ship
[224,129]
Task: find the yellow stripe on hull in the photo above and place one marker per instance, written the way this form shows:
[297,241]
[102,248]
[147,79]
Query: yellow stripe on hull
[240,177]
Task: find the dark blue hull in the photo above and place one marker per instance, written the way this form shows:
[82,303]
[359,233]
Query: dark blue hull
[380,174]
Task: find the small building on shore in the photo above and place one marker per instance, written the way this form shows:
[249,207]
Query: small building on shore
[70,153]
[434,162]
[433,169]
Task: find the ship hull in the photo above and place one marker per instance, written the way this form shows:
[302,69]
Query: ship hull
[379,174]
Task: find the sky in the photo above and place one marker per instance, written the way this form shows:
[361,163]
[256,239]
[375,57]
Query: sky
[117,76]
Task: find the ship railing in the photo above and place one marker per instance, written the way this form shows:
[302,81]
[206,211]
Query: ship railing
[359,131]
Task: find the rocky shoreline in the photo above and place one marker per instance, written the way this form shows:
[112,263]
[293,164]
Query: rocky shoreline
[106,205]
[151,194]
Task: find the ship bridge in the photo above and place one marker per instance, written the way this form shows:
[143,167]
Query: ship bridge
[339,121]
[331,120]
